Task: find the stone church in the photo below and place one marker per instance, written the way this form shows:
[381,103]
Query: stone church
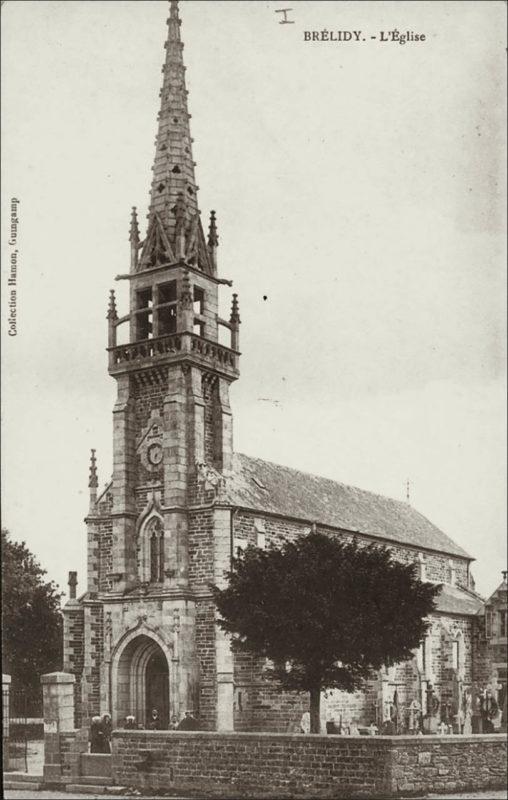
[181,501]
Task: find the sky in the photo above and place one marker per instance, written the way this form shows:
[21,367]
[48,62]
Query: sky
[358,188]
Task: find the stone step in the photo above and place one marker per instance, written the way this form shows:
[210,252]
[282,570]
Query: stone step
[96,764]
[35,786]
[24,777]
[85,788]
[97,780]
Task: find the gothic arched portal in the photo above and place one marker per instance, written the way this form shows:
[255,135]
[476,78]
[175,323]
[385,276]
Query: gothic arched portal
[142,682]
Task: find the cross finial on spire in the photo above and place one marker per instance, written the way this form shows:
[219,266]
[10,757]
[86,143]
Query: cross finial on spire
[173,9]
[407,490]
[93,481]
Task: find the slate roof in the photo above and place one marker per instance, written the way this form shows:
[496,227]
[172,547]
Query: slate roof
[454,600]
[264,486]
[497,595]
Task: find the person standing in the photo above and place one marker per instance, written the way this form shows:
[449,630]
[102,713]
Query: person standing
[96,737]
[106,728]
[154,723]
[489,711]
[188,723]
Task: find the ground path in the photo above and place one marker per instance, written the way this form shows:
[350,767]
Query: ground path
[15,794]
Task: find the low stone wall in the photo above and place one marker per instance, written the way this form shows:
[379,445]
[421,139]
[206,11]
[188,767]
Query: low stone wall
[283,765]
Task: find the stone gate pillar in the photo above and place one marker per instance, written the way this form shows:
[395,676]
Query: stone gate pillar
[58,712]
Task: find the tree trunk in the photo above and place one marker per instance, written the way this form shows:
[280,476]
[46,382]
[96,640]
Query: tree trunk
[315,700]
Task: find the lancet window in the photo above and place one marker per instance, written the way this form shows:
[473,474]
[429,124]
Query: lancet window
[151,551]
[156,539]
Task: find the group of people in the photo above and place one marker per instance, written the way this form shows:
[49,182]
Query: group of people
[154,723]
[101,727]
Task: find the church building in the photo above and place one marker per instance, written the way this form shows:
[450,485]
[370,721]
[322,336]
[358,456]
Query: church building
[181,501]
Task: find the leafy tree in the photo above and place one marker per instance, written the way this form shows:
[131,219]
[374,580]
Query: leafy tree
[326,612]
[31,619]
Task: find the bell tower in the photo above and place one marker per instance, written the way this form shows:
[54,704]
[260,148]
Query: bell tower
[172,415]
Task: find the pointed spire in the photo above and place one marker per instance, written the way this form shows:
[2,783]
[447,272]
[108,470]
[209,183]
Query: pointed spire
[173,170]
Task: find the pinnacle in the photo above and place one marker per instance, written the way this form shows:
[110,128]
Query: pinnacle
[93,480]
[134,229]
[112,307]
[235,311]
[213,239]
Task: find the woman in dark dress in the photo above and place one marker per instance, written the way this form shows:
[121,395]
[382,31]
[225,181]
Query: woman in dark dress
[154,723]
[96,737]
[106,728]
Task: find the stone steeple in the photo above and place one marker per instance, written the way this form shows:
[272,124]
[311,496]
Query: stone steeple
[174,230]
[173,372]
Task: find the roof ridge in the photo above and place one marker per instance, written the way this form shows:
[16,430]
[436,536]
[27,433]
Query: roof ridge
[403,503]
[390,519]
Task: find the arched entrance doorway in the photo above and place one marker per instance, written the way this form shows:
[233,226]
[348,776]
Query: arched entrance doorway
[157,686]
[142,682]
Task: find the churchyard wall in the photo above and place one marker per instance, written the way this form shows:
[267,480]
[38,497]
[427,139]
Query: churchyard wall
[281,765]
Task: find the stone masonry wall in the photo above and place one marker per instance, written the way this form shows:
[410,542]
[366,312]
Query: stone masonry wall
[200,548]
[74,649]
[100,555]
[205,649]
[279,765]
[94,650]
[278,530]
[147,398]
[200,573]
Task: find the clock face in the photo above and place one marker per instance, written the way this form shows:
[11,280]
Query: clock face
[154,454]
